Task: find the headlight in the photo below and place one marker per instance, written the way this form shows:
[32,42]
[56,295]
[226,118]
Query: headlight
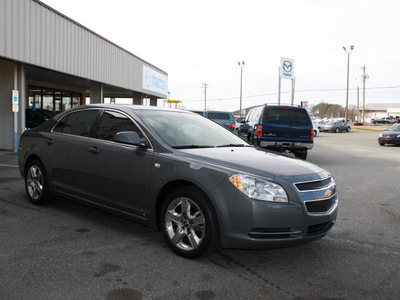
[380,135]
[398,136]
[259,189]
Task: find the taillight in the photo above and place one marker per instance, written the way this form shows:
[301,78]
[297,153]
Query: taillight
[259,130]
[312,133]
[233,125]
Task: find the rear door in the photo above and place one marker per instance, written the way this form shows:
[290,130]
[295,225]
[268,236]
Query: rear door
[68,151]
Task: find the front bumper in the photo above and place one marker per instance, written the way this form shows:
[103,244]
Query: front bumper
[389,140]
[252,224]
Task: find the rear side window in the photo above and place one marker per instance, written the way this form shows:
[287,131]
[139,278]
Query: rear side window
[77,123]
[286,115]
[254,114]
[113,122]
[219,116]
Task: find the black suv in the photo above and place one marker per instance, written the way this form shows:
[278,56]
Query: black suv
[279,128]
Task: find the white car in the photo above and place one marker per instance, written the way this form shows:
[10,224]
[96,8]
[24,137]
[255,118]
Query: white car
[319,124]
[316,129]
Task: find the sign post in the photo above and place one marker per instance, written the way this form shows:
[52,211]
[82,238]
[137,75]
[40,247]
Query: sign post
[15,109]
[286,70]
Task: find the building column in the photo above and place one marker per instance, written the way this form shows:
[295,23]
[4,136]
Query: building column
[137,98]
[6,115]
[22,99]
[96,92]
[153,101]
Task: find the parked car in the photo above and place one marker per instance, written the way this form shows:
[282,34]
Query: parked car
[386,120]
[319,124]
[390,135]
[223,118]
[34,117]
[336,126]
[316,130]
[280,128]
[201,185]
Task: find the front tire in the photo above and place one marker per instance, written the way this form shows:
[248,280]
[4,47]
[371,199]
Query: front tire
[189,223]
[36,183]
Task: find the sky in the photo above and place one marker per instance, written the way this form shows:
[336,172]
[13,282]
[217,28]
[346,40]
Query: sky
[199,42]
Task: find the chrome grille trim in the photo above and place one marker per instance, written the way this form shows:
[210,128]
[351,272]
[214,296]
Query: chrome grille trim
[318,187]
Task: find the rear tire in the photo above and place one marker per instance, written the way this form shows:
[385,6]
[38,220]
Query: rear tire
[189,223]
[36,185]
[301,154]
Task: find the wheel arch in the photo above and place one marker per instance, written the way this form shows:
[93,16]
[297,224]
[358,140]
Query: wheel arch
[169,188]
[28,160]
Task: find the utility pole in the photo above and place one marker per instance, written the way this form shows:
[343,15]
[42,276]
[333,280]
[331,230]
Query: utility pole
[347,90]
[205,86]
[358,104]
[364,77]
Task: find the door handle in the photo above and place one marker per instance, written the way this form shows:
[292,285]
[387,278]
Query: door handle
[94,150]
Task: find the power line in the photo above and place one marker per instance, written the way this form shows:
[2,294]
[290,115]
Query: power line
[300,91]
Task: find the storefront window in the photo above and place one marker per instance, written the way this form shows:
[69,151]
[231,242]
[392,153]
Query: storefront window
[43,103]
[48,98]
[66,100]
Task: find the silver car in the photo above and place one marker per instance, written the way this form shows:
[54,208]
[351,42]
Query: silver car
[198,183]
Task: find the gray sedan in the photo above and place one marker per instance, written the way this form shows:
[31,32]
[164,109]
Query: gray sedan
[199,184]
[336,126]
[390,136]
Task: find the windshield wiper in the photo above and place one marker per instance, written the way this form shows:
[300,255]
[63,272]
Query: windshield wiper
[231,145]
[191,146]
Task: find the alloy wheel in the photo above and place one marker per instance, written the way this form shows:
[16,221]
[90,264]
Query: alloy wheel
[185,224]
[34,182]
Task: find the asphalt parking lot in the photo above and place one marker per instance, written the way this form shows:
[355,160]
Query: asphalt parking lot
[69,251]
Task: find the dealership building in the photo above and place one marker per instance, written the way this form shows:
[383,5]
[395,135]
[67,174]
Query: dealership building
[50,63]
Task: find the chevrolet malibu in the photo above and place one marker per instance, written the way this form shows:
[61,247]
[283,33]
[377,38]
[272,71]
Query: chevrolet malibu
[202,186]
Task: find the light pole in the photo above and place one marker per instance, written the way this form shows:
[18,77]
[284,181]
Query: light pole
[205,86]
[347,90]
[241,64]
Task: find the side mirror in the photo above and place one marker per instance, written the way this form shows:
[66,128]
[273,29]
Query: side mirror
[131,138]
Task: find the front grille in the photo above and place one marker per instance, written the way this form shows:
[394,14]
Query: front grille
[313,185]
[319,229]
[320,206]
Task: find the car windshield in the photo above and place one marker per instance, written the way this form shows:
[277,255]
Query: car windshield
[182,130]
[394,128]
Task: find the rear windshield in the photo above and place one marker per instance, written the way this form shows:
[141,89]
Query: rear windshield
[219,116]
[286,115]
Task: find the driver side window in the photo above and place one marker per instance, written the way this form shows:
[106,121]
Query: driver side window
[113,122]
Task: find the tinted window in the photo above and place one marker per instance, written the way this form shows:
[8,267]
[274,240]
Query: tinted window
[286,115]
[77,123]
[113,122]
[219,116]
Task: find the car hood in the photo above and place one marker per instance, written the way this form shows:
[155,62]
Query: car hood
[390,133]
[258,162]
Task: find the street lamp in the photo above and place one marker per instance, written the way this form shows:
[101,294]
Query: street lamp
[347,90]
[241,64]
